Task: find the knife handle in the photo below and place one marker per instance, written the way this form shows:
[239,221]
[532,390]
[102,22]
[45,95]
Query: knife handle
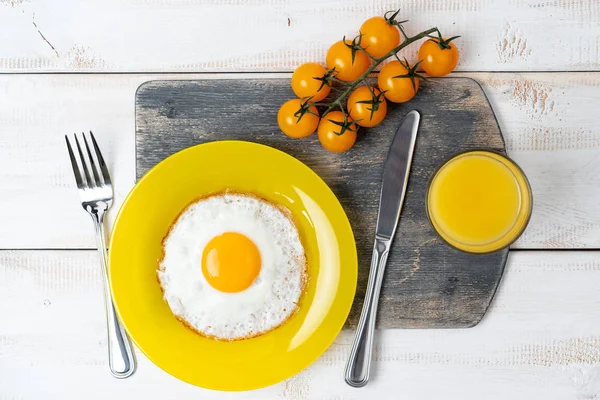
[359,362]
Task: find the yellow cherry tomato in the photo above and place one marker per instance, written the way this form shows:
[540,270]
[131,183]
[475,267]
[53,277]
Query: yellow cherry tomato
[364,113]
[329,133]
[339,56]
[379,36]
[304,83]
[397,90]
[437,61]
[287,118]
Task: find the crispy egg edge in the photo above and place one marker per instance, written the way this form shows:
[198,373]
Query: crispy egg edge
[304,278]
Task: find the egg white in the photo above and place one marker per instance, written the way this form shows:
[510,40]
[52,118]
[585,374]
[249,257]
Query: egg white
[269,301]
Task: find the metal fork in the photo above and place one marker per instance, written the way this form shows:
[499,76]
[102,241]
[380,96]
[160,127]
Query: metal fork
[96,193]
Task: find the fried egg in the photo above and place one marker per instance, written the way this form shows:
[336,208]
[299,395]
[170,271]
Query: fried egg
[233,266]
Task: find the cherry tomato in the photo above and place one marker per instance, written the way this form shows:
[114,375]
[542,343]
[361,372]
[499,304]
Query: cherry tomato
[304,83]
[379,36]
[437,61]
[339,56]
[287,118]
[364,113]
[329,133]
[398,90]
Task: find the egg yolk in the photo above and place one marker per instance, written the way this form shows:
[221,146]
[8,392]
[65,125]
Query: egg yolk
[230,262]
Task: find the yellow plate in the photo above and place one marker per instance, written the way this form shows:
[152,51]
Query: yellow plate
[135,248]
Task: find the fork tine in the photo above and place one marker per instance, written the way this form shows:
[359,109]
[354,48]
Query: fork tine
[86,172]
[74,164]
[103,168]
[92,163]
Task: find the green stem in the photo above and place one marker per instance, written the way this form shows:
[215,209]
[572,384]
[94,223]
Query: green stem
[370,56]
[334,79]
[376,62]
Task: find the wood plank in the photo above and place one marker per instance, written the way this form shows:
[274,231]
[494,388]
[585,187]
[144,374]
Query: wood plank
[428,283]
[539,340]
[237,35]
[548,120]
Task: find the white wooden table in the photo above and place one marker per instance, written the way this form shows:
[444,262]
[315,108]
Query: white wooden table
[74,65]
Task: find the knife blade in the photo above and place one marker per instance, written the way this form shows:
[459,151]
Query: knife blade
[395,176]
[393,189]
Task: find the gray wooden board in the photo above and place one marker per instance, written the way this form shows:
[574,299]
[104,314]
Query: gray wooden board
[427,283]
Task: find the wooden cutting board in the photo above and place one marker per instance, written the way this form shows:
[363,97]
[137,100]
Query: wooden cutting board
[427,283]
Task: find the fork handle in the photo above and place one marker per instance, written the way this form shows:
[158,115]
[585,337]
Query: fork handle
[121,359]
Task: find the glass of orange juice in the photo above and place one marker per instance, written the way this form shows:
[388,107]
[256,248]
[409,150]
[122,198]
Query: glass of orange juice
[479,201]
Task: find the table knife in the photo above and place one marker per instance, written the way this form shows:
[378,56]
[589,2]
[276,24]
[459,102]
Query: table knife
[393,189]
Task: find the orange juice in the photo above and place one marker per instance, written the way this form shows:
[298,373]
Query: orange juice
[479,201]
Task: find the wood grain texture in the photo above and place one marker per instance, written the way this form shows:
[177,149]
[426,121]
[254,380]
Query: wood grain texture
[427,283]
[239,35]
[548,120]
[539,340]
